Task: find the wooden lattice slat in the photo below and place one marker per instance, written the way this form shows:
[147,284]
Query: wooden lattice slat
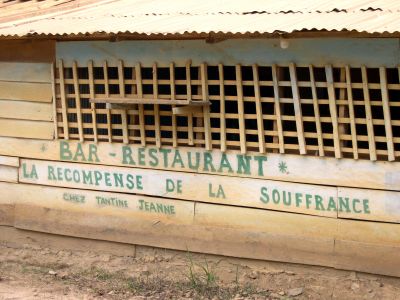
[335,111]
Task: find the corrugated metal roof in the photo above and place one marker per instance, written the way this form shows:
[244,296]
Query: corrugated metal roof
[176,17]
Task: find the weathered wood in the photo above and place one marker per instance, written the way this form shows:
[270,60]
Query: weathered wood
[77,100]
[318,127]
[222,107]
[129,100]
[366,257]
[26,91]
[240,107]
[230,52]
[383,205]
[206,108]
[10,161]
[333,111]
[173,96]
[297,109]
[351,113]
[368,115]
[189,96]
[315,170]
[259,112]
[124,116]
[107,93]
[138,74]
[26,129]
[54,104]
[92,105]
[277,109]
[270,235]
[8,174]
[386,114]
[265,194]
[25,72]
[24,110]
[208,228]
[63,99]
[186,110]
[23,50]
[101,203]
[6,214]
[22,238]
[304,238]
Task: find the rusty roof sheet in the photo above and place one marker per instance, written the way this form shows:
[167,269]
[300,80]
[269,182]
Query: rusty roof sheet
[177,17]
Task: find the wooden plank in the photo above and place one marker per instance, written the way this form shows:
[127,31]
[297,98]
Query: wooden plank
[10,161]
[26,129]
[156,108]
[297,109]
[6,216]
[25,72]
[269,235]
[352,51]
[277,108]
[64,104]
[129,100]
[375,233]
[206,108]
[124,116]
[77,100]
[382,205]
[54,105]
[386,114]
[101,203]
[321,151]
[222,107]
[24,110]
[240,105]
[19,237]
[8,174]
[270,195]
[138,73]
[26,91]
[292,168]
[92,95]
[173,96]
[368,115]
[264,240]
[187,110]
[333,111]
[366,257]
[259,112]
[107,93]
[27,50]
[189,96]
[351,113]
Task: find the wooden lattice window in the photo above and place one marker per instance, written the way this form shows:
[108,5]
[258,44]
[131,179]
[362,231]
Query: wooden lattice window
[337,111]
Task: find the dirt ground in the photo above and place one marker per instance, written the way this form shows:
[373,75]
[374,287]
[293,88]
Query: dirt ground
[33,272]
